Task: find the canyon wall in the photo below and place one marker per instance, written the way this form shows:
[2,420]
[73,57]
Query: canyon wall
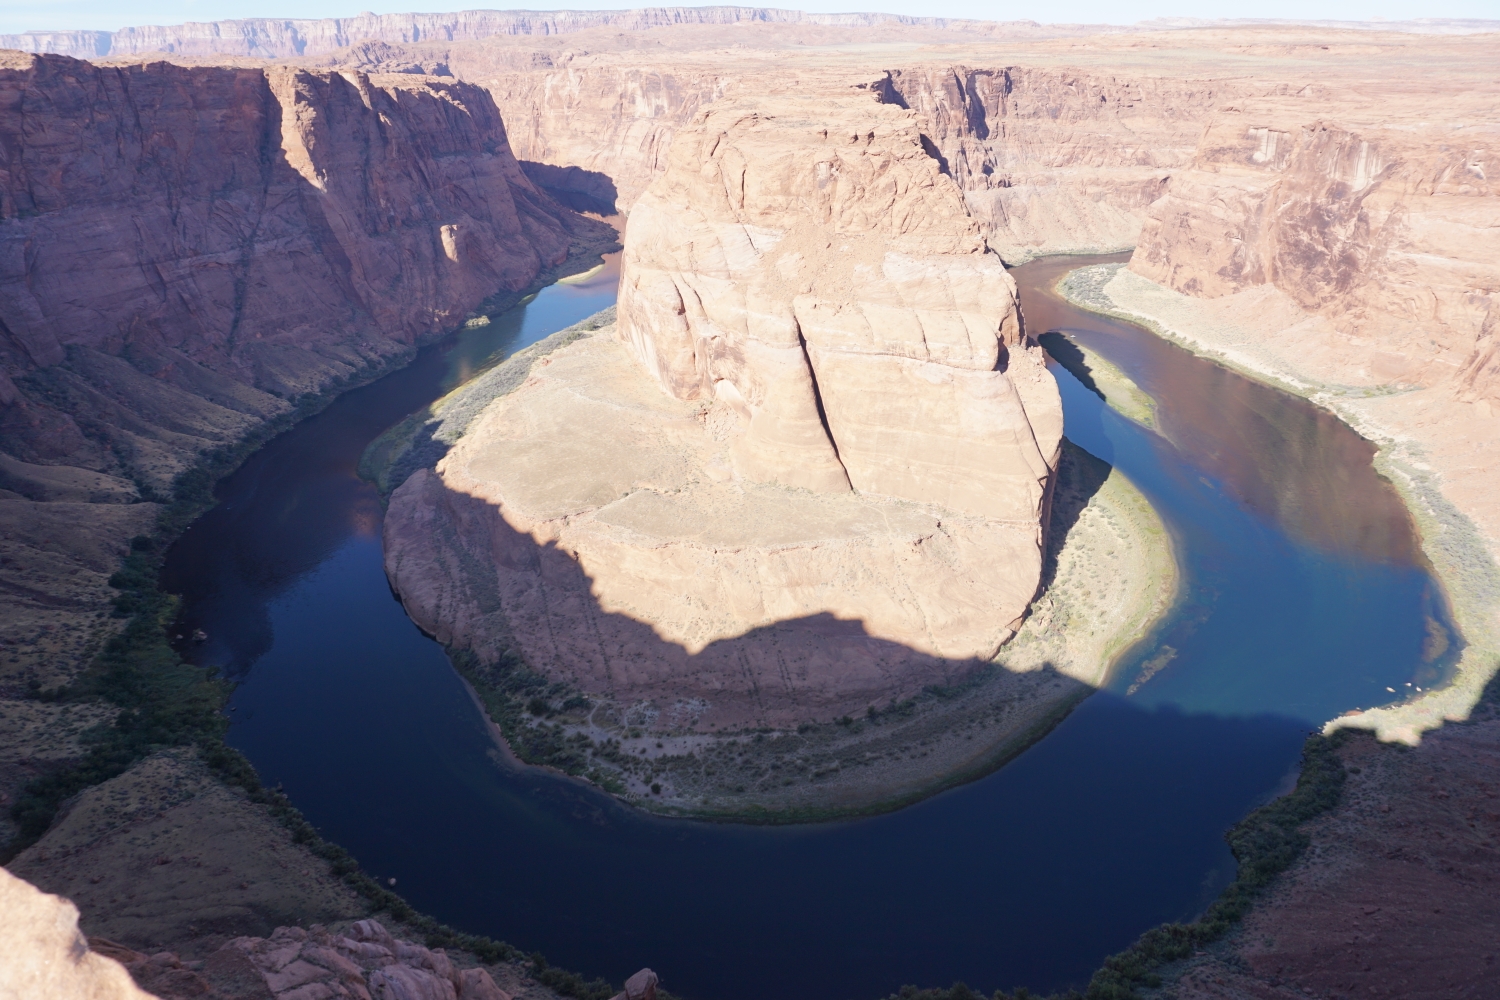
[1353,255]
[1051,159]
[1384,227]
[1058,160]
[187,253]
[282,38]
[806,472]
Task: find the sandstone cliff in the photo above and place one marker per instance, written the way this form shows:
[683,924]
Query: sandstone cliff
[1052,155]
[238,236]
[1355,257]
[187,253]
[1060,143]
[807,474]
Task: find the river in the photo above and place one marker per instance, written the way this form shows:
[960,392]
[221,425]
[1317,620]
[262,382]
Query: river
[1303,596]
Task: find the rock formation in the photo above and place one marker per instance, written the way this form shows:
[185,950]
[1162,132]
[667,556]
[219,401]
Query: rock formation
[187,253]
[42,953]
[1294,212]
[235,238]
[365,961]
[807,474]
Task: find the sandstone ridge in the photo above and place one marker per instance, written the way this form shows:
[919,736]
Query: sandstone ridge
[806,472]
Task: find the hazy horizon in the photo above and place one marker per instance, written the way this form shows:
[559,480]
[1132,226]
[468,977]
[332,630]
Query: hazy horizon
[98,15]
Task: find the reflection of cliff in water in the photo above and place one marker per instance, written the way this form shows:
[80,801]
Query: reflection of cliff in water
[1110,825]
[1305,589]
[1282,457]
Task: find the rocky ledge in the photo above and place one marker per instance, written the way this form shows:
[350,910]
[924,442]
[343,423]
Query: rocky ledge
[45,955]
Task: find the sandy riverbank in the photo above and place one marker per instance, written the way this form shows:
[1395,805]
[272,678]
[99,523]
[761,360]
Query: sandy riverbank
[1435,450]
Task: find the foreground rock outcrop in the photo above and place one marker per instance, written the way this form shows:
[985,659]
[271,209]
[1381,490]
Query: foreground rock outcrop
[43,954]
[364,962]
[166,852]
[807,472]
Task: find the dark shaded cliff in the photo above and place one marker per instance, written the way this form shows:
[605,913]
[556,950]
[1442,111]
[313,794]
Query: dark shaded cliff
[188,253]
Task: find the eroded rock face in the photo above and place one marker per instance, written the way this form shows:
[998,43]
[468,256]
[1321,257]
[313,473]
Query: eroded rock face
[804,474]
[235,237]
[806,262]
[185,252]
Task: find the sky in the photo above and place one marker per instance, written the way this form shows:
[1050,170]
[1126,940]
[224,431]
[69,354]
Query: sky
[24,15]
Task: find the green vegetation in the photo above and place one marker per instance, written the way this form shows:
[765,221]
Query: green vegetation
[1265,844]
[520,701]
[162,701]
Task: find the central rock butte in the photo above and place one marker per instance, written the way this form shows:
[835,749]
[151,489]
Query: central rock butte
[807,471]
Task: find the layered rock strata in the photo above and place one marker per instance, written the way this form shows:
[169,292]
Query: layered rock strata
[277,38]
[1059,143]
[188,253]
[806,472]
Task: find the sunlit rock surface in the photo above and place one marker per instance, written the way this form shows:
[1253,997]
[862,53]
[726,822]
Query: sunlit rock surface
[43,954]
[806,472]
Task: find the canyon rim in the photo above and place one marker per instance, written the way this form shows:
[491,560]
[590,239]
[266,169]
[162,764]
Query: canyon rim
[287,209]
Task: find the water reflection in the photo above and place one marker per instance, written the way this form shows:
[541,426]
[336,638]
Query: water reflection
[1278,455]
[1031,875]
[297,501]
[1304,589]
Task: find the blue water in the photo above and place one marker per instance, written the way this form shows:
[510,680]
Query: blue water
[1298,603]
